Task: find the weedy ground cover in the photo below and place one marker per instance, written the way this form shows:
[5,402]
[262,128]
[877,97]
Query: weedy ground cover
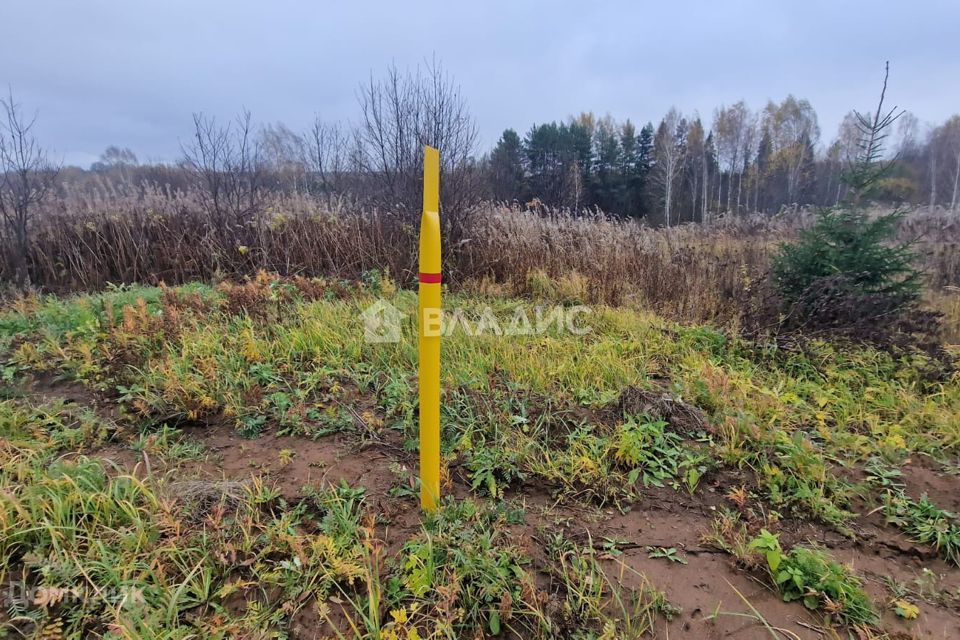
[639,409]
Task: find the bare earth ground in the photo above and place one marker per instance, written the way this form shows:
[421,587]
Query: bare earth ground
[715,596]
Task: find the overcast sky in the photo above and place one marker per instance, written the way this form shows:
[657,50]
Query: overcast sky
[131,72]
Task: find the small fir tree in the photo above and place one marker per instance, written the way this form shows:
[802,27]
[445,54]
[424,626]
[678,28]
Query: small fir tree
[849,258]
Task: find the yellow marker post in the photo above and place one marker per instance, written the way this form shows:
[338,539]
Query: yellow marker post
[430,329]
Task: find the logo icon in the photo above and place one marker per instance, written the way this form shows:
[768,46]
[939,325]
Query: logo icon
[382,322]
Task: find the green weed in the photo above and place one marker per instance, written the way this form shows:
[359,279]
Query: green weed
[811,576]
[924,522]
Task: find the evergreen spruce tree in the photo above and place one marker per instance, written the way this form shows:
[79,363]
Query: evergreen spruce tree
[506,167]
[645,150]
[847,271]
[606,183]
[628,203]
[640,174]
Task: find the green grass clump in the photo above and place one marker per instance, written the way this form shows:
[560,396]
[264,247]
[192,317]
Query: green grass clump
[466,572]
[51,427]
[813,577]
[924,522]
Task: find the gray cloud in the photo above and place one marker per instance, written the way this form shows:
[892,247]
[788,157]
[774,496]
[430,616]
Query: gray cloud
[131,72]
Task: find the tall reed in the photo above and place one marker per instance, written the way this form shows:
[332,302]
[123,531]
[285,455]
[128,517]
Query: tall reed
[86,240]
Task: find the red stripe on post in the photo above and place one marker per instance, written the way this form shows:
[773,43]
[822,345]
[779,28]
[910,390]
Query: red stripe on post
[429,278]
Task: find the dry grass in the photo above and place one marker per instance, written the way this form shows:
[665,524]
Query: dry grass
[947,301]
[692,272]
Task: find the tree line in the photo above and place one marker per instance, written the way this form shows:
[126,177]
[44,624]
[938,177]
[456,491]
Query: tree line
[681,169]
[686,170]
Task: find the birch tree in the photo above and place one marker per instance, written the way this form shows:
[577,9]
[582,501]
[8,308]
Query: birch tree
[697,158]
[794,131]
[947,145]
[669,156]
[729,127]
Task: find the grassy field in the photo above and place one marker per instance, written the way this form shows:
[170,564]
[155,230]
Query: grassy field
[237,461]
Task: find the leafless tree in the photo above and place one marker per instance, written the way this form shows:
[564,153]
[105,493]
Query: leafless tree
[751,143]
[26,178]
[696,168]
[326,154]
[227,164]
[283,154]
[401,113]
[114,156]
[908,128]
[117,165]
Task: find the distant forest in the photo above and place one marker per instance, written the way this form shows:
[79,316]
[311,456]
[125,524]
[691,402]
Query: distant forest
[682,168]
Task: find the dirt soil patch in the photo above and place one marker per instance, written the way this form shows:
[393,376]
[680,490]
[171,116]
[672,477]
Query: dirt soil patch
[717,597]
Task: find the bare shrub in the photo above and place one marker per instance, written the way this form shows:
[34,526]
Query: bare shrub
[26,178]
[401,113]
[227,165]
[326,156]
[162,236]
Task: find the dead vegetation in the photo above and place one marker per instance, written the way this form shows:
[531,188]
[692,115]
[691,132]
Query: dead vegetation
[696,273]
